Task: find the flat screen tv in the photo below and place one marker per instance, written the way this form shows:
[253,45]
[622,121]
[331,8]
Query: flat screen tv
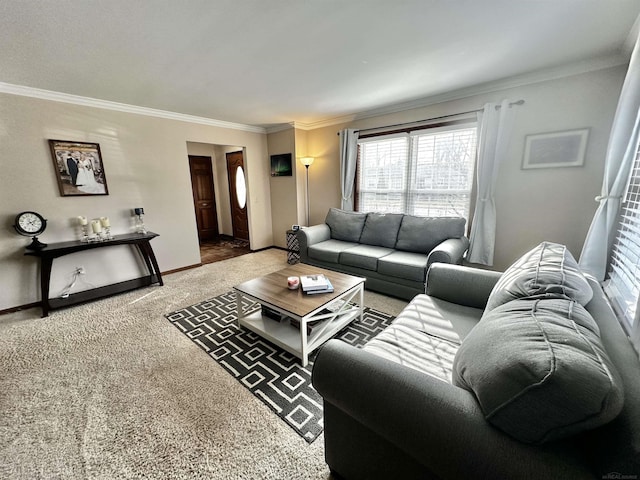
[281,165]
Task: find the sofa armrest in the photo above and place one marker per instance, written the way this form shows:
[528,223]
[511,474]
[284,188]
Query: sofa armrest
[308,236]
[462,285]
[450,251]
[439,425]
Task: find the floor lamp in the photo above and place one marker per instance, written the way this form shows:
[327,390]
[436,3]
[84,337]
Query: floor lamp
[306,161]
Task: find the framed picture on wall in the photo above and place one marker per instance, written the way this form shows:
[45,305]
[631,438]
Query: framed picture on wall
[558,149]
[78,168]
[281,165]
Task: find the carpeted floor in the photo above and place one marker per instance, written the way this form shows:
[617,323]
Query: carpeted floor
[112,390]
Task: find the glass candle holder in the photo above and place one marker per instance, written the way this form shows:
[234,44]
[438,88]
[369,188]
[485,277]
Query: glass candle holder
[84,232]
[140,227]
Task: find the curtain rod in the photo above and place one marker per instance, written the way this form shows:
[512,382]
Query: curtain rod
[519,102]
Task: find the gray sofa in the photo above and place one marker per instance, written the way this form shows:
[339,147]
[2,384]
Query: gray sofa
[392,251]
[488,376]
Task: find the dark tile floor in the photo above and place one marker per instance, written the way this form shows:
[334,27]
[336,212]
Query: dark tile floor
[221,249]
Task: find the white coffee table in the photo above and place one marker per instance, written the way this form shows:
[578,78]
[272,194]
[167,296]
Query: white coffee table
[271,290]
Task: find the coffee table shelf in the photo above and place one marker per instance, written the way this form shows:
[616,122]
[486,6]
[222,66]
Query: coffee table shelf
[288,337]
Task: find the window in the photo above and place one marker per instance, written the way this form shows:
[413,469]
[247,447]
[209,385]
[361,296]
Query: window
[623,286]
[427,172]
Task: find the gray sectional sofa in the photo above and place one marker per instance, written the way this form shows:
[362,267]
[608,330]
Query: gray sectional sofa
[392,251]
[521,375]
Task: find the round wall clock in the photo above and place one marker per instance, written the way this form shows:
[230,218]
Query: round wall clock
[31,224]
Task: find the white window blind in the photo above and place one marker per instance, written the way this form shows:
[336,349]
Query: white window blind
[623,286]
[427,172]
[383,171]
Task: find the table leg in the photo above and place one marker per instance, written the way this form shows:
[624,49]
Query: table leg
[145,256]
[239,312]
[150,260]
[304,343]
[45,282]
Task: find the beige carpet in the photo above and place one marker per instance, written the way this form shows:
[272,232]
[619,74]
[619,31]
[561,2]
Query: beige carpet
[112,390]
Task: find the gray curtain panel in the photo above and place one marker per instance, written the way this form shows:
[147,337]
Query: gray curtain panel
[348,158]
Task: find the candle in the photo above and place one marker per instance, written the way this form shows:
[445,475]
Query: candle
[104,221]
[96,227]
[83,220]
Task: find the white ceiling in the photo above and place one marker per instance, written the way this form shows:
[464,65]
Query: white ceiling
[265,62]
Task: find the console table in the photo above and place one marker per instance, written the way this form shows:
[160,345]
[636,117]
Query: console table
[55,250]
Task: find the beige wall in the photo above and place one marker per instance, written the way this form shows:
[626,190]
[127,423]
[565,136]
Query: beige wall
[145,160]
[532,205]
[284,192]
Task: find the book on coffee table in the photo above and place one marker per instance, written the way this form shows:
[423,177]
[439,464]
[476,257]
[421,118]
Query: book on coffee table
[271,313]
[311,326]
[313,282]
[328,289]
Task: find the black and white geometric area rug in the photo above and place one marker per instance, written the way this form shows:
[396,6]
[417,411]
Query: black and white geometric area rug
[273,375]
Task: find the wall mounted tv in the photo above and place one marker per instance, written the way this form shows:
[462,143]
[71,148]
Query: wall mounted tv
[281,165]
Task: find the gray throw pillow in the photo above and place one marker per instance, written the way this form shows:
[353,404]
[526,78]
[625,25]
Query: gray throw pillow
[381,229]
[345,226]
[539,370]
[547,271]
[422,234]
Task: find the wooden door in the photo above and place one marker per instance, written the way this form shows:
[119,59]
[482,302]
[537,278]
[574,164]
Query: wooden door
[204,199]
[238,195]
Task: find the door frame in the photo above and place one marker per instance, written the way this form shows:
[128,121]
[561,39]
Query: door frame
[242,152]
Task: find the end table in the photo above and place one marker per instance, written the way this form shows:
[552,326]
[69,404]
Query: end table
[293,247]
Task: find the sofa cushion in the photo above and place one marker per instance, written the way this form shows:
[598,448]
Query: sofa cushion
[439,318]
[548,270]
[329,250]
[426,335]
[411,348]
[346,226]
[539,371]
[364,256]
[407,265]
[381,229]
[422,234]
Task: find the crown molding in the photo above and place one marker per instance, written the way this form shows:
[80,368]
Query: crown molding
[280,127]
[121,107]
[538,76]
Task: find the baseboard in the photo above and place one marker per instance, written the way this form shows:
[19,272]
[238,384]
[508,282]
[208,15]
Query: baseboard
[269,248]
[21,307]
[176,270]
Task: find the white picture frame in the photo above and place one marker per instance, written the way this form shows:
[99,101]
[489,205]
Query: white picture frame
[556,149]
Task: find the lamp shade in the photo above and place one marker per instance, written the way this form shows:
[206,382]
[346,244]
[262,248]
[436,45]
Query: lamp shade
[306,161]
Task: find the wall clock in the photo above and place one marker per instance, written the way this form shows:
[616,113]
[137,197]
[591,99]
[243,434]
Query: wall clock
[31,224]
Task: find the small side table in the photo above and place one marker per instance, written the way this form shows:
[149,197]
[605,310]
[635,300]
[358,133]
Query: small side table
[293,247]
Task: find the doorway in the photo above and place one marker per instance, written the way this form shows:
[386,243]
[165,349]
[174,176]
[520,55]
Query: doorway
[238,195]
[212,202]
[204,198]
